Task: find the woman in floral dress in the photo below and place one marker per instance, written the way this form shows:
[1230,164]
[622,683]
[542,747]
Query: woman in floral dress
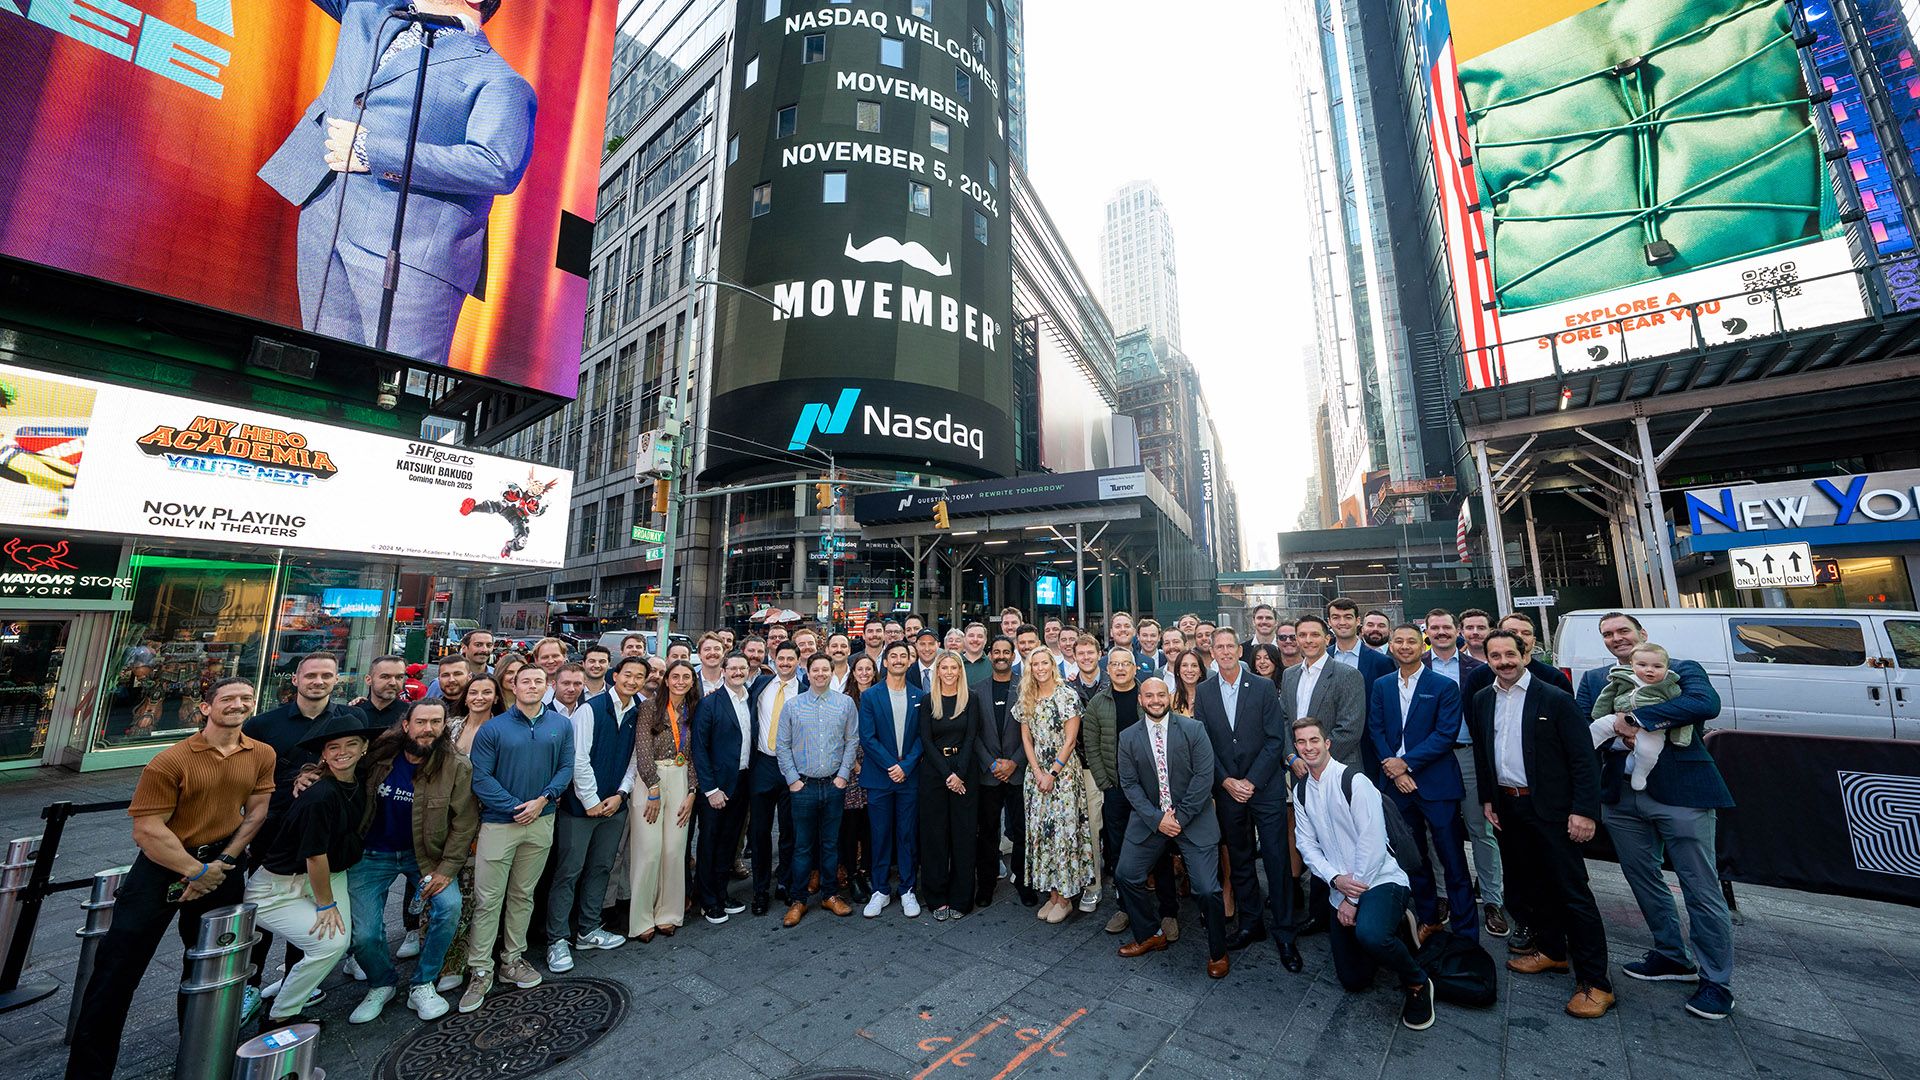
[1059,840]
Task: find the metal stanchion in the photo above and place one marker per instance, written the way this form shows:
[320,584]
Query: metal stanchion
[15,876]
[218,967]
[99,909]
[286,1054]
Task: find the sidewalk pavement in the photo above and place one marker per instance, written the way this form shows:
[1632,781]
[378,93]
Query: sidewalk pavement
[1826,987]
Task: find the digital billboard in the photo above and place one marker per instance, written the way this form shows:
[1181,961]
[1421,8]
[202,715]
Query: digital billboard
[247,157]
[1627,179]
[866,200]
[98,458]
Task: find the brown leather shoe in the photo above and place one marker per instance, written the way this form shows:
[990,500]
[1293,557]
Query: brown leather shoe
[792,917]
[1428,930]
[1141,948]
[1217,969]
[1536,963]
[837,906]
[1590,1003]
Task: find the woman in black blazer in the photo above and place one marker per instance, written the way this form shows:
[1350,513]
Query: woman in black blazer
[951,719]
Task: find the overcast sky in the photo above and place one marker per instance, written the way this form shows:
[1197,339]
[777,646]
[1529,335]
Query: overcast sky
[1119,90]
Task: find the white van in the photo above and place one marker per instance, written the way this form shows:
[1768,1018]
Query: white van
[1810,671]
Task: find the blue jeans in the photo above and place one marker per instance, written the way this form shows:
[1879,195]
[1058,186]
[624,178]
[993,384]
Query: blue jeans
[1644,830]
[816,820]
[1375,940]
[368,883]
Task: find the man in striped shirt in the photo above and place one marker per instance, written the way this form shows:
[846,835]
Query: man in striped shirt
[815,743]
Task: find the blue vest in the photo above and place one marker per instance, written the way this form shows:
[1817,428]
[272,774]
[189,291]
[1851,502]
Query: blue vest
[612,750]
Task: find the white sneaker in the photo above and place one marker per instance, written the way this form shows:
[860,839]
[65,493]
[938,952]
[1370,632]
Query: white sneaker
[426,1002]
[910,904]
[409,946]
[876,904]
[369,1008]
[599,939]
[559,958]
[272,989]
[449,982]
[1089,901]
[353,968]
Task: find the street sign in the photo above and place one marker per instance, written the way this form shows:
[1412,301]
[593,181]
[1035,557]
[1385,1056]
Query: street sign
[1548,600]
[442,597]
[1775,566]
[654,554]
[663,605]
[644,535]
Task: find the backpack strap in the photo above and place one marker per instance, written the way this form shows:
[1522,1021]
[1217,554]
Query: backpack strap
[1346,785]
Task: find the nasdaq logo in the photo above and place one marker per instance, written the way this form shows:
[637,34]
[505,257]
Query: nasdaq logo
[825,420]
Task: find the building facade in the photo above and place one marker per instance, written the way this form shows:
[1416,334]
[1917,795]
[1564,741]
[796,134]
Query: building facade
[1138,273]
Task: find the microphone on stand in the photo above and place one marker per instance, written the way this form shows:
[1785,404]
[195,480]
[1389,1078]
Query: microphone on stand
[415,15]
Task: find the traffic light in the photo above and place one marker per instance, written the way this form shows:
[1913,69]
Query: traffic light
[940,515]
[659,496]
[823,497]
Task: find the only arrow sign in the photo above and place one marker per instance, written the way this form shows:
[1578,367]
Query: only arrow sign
[1768,560]
[1794,558]
[1746,564]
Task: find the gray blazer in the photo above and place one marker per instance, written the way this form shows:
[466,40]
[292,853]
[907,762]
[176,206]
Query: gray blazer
[1339,701]
[476,140]
[1189,774]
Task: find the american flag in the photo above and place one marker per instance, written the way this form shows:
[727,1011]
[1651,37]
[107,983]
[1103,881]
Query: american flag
[1464,527]
[1461,220]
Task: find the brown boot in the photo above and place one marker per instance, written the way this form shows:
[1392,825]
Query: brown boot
[1590,1003]
[792,918]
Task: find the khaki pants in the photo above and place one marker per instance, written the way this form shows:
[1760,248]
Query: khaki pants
[284,904]
[1093,803]
[507,861]
[657,856]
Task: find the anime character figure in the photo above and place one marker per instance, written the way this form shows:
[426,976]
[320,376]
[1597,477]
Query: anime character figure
[519,504]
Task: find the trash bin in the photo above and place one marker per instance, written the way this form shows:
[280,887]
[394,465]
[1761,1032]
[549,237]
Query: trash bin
[286,1054]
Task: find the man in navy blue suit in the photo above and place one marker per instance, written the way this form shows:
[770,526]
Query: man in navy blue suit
[1674,817]
[1242,717]
[725,729]
[890,738]
[1343,620]
[1414,716]
[475,142]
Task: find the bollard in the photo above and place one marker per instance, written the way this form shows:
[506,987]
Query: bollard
[218,967]
[286,1054]
[99,909]
[13,880]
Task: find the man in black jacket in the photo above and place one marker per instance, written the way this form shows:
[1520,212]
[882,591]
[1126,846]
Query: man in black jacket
[1539,785]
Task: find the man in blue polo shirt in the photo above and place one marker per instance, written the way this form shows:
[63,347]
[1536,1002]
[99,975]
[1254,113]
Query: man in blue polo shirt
[522,763]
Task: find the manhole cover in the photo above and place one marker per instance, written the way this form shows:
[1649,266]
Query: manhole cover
[520,1033]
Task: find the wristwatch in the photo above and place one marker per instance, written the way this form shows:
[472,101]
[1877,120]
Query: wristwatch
[230,860]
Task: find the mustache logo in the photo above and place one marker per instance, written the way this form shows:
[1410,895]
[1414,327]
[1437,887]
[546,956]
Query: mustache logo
[885,249]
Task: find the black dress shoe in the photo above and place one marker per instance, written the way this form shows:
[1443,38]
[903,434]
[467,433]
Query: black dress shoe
[1290,957]
[983,899]
[761,905]
[862,887]
[1309,927]
[1029,897]
[780,894]
[1247,935]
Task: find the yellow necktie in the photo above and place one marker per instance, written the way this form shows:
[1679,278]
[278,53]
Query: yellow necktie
[779,699]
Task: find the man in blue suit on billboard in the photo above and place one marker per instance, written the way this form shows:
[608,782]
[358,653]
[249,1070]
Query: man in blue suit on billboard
[476,137]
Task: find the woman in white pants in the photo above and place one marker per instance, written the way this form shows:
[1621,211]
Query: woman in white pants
[657,829]
[300,888]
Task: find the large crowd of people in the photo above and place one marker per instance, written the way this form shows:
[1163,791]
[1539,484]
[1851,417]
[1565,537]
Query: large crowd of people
[1278,781]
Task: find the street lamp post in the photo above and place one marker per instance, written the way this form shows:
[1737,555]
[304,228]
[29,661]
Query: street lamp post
[675,494]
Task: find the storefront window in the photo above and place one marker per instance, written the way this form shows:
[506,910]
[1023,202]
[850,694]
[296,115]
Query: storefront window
[31,652]
[194,621]
[1872,582]
[347,611]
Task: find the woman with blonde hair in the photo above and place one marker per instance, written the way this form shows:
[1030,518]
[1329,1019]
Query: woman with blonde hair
[1059,840]
[951,720]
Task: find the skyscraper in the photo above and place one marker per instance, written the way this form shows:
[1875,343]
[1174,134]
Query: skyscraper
[1137,275]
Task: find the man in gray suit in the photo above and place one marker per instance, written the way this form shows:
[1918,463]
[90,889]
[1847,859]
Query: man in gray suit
[1336,695]
[1166,774]
[476,139]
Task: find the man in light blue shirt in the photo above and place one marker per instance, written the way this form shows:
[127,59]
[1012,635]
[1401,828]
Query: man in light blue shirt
[818,734]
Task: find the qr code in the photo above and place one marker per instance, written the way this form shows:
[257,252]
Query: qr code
[1765,282]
